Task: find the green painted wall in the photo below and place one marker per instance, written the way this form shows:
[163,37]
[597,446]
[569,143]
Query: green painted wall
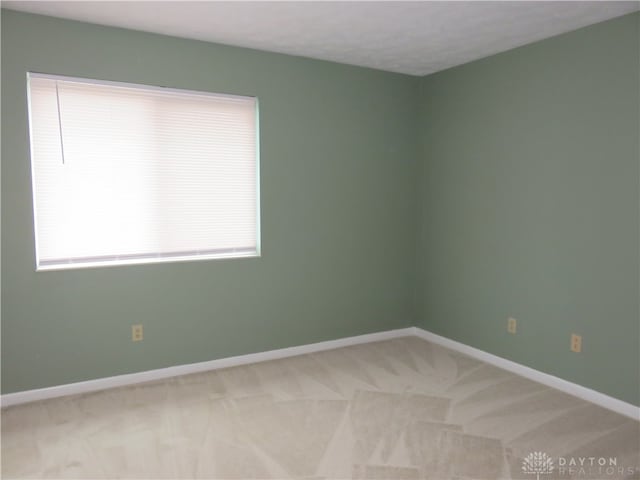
[339,149]
[530,205]
[513,180]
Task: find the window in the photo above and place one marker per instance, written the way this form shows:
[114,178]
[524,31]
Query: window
[128,173]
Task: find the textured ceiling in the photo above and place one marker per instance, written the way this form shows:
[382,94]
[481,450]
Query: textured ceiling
[417,38]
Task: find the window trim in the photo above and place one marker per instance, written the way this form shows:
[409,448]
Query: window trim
[143,259]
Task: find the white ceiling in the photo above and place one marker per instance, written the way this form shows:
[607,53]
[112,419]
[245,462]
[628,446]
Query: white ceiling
[417,38]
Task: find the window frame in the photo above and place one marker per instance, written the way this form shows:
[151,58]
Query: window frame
[146,258]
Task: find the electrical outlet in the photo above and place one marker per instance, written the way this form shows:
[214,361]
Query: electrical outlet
[136,333]
[576,343]
[512,325]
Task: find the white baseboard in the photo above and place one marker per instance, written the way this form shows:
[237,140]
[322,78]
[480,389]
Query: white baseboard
[584,393]
[574,389]
[10,399]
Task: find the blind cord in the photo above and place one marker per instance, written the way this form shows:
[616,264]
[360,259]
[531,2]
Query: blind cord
[60,123]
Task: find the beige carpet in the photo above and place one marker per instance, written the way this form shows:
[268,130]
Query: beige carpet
[398,409]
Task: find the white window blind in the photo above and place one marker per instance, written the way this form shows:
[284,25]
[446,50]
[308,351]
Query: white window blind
[134,174]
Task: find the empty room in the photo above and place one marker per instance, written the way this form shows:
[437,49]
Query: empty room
[320,240]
